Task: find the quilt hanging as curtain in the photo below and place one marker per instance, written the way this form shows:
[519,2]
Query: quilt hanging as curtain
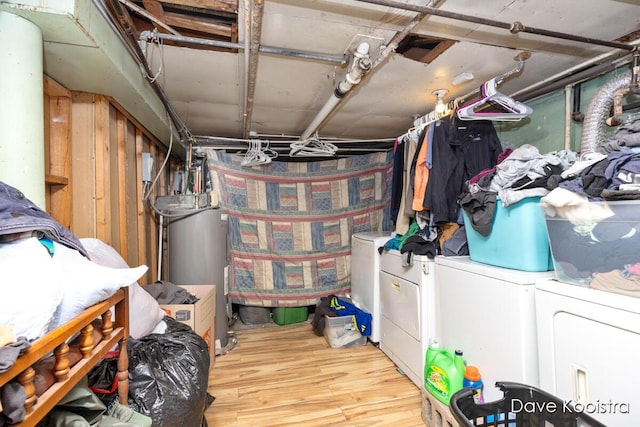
[290,223]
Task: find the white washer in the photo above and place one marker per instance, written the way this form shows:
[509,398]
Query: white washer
[408,313]
[365,275]
[488,312]
[588,343]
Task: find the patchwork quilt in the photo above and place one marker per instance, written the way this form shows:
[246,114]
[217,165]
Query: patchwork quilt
[290,223]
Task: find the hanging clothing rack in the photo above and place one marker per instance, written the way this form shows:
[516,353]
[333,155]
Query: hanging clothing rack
[521,58]
[423,121]
[501,106]
[281,145]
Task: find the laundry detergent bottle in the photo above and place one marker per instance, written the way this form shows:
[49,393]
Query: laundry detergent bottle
[472,379]
[443,372]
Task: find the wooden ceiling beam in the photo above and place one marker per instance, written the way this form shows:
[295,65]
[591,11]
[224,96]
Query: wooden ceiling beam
[154,7]
[181,21]
[222,5]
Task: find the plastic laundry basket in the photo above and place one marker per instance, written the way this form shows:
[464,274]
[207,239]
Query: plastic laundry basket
[521,406]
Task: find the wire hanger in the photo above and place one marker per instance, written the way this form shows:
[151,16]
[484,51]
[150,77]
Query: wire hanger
[312,147]
[255,155]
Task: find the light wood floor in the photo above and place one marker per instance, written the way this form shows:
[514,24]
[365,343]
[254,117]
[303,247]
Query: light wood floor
[288,376]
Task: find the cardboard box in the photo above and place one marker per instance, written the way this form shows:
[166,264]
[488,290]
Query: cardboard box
[201,316]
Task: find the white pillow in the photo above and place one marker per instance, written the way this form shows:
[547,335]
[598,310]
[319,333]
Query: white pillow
[86,283]
[144,311]
[30,288]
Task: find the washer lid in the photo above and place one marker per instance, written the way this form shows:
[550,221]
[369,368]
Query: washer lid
[596,296]
[518,277]
[371,236]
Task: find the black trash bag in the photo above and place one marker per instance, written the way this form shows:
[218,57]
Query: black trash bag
[168,376]
[103,380]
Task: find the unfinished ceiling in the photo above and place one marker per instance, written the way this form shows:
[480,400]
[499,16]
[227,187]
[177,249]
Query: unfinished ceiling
[232,68]
[232,92]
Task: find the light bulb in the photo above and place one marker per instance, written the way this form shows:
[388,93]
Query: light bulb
[440,105]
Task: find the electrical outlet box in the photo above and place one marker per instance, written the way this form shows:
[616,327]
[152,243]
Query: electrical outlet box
[147,165]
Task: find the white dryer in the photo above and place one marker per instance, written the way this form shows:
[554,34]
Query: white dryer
[408,313]
[588,344]
[365,275]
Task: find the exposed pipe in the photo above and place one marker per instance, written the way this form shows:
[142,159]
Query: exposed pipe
[521,58]
[635,73]
[247,51]
[551,86]
[622,119]
[342,59]
[593,132]
[514,28]
[160,246]
[256,35]
[252,71]
[390,47]
[273,139]
[567,117]
[283,147]
[397,38]
[360,65]
[576,114]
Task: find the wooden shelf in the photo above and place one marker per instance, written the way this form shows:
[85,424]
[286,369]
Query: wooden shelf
[56,180]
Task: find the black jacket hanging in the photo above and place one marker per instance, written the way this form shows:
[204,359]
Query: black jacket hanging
[461,150]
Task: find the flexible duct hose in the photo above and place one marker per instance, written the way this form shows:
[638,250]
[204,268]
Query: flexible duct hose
[593,133]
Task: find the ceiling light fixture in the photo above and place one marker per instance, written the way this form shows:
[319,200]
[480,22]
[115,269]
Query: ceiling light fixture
[462,78]
[440,105]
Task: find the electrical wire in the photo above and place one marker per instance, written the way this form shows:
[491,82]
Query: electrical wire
[164,163]
[155,42]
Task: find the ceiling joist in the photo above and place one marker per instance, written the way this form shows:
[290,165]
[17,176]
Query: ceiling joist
[212,19]
[198,25]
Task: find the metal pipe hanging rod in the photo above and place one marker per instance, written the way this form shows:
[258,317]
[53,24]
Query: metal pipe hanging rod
[149,35]
[516,27]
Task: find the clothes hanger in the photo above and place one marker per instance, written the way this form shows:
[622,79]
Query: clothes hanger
[312,147]
[493,105]
[267,150]
[254,155]
[422,122]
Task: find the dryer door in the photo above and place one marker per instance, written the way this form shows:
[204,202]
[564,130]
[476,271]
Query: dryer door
[400,303]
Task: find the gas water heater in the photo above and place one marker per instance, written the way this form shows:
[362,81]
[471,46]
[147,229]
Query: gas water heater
[197,250]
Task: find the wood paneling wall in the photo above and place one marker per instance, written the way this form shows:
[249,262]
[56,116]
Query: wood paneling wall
[94,173]
[57,134]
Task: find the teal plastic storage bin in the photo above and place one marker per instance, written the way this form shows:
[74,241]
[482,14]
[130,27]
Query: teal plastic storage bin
[288,315]
[518,238]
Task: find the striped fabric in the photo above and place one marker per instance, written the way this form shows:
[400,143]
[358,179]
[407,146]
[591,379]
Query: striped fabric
[290,223]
